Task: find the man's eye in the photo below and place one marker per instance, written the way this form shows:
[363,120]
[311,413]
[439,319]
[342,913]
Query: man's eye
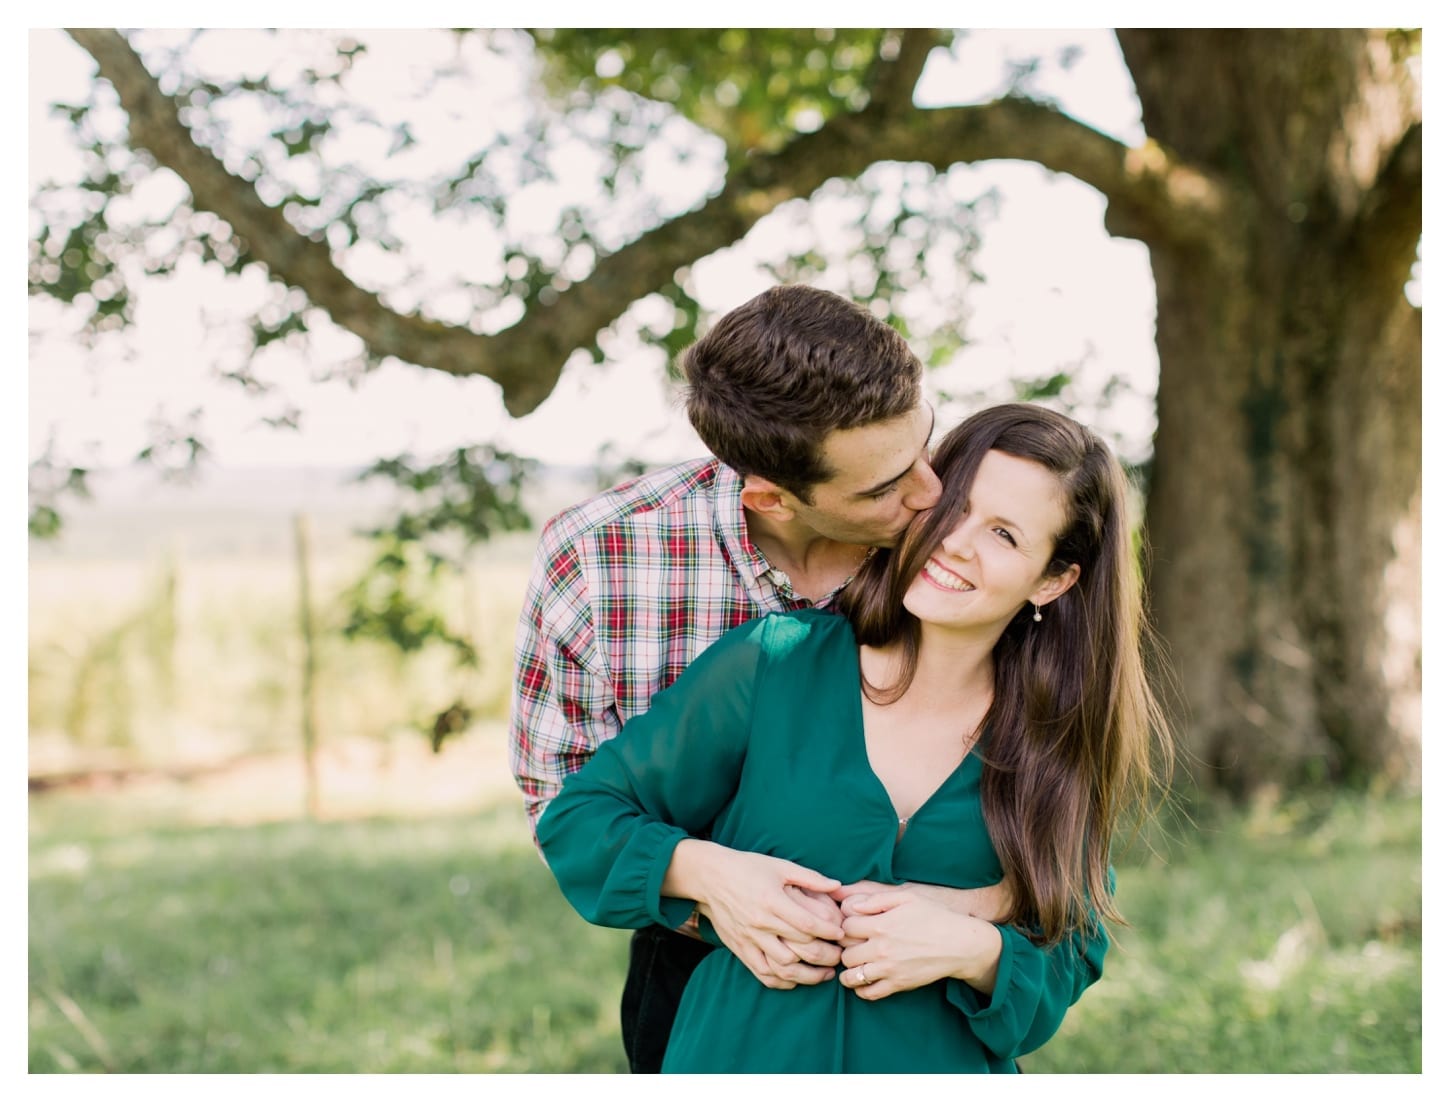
[879,494]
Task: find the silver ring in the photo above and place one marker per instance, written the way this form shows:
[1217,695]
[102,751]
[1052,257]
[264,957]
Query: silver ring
[861,973]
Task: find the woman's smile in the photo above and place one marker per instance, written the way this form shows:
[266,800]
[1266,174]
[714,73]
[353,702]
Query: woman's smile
[939,576]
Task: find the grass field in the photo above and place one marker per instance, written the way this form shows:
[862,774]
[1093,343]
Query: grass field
[171,931]
[202,926]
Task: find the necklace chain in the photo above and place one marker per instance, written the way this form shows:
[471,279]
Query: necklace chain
[783,581]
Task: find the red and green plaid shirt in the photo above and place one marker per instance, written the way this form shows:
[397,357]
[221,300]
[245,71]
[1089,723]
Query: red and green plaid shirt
[627,589]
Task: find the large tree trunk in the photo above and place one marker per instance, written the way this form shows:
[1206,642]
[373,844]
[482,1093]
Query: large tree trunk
[1283,516]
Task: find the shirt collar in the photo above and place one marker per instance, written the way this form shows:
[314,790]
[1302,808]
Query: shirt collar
[752,566]
[730,525]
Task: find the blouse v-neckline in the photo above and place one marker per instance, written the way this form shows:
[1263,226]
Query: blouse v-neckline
[902,823]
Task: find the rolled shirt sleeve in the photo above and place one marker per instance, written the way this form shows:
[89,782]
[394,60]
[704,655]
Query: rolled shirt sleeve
[563,704]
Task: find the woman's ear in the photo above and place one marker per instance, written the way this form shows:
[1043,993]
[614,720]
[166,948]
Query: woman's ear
[1055,586]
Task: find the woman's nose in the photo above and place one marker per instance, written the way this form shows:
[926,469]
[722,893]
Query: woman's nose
[958,542]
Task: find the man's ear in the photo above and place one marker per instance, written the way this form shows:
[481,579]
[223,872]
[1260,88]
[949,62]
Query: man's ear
[1055,586]
[760,495]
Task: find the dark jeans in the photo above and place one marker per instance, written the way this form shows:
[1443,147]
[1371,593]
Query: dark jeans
[660,963]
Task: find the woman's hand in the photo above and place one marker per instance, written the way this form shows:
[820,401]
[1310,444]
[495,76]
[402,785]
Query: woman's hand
[777,917]
[994,902]
[900,940]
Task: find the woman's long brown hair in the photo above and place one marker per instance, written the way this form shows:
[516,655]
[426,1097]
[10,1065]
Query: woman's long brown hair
[1074,735]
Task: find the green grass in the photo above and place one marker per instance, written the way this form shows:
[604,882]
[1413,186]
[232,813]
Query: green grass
[1285,940]
[1282,940]
[371,946]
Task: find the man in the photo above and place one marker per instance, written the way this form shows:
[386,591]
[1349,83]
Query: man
[812,409]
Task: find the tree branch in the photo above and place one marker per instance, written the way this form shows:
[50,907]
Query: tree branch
[1390,219]
[1149,194]
[894,81]
[266,236]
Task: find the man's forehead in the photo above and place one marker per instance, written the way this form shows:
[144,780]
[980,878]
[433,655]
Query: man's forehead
[868,457]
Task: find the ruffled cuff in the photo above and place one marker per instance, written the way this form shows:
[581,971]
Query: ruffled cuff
[667,911]
[626,893]
[1001,1021]
[706,930]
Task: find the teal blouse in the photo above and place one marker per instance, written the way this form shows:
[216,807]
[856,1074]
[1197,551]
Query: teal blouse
[760,745]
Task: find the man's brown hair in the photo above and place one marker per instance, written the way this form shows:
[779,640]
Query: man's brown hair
[776,375]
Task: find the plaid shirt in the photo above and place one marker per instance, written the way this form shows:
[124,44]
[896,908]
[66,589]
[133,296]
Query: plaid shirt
[626,590]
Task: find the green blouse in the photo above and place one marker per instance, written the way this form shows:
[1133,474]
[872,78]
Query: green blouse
[760,745]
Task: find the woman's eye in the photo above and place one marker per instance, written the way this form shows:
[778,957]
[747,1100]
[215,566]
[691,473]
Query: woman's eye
[1006,535]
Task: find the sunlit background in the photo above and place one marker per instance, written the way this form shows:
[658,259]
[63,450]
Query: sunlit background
[192,626]
[1056,290]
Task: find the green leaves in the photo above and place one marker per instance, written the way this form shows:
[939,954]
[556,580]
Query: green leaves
[453,504]
[1036,390]
[176,449]
[393,602]
[50,482]
[469,495]
[756,89]
[79,265]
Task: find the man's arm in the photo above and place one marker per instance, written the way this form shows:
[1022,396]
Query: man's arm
[563,704]
[618,834]
[563,709]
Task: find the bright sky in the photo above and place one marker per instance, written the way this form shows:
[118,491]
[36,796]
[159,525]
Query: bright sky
[1057,288]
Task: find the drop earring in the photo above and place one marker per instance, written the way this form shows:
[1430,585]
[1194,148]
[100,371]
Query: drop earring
[1036,613]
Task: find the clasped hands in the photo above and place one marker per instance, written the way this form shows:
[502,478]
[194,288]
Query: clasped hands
[791,925]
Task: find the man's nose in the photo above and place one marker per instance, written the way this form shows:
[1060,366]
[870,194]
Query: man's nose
[925,490]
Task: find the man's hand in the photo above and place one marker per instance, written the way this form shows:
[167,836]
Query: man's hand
[777,917]
[826,954]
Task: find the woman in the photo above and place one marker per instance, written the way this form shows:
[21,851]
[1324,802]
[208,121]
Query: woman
[980,713]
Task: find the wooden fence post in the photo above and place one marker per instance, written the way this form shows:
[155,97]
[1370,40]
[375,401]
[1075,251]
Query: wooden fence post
[302,529]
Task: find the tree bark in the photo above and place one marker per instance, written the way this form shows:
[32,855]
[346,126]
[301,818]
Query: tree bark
[1283,514]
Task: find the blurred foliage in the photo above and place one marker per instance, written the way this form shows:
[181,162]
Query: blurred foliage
[599,126]
[395,601]
[103,681]
[452,505]
[49,483]
[176,450]
[612,114]
[754,89]
[160,662]
[471,494]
